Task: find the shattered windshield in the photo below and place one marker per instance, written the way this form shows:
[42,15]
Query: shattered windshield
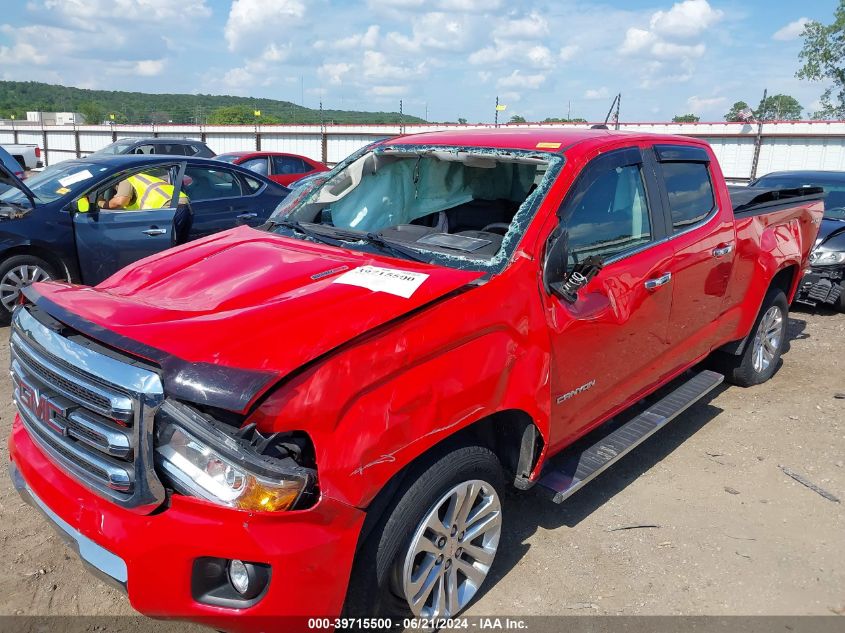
[460,207]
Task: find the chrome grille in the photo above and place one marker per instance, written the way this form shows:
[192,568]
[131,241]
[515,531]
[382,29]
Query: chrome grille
[90,413]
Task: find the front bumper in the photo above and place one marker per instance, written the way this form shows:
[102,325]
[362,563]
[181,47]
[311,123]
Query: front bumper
[151,556]
[821,286]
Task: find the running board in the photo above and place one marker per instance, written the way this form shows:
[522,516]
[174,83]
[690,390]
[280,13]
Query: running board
[569,471]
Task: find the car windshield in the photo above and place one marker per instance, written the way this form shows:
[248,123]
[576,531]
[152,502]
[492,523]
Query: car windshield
[834,192]
[227,158]
[118,147]
[57,181]
[460,207]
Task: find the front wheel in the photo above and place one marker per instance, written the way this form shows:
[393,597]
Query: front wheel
[434,546]
[16,273]
[761,356]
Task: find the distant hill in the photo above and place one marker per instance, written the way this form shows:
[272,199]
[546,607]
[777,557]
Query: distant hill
[18,97]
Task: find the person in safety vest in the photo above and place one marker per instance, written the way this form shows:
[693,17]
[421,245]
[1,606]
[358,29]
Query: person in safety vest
[142,191]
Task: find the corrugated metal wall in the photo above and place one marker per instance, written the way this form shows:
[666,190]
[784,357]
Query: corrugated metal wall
[785,145]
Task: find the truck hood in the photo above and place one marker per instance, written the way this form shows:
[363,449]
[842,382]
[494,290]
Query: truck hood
[250,300]
[829,229]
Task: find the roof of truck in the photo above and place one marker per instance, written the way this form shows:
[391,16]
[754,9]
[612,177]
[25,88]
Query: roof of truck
[527,138]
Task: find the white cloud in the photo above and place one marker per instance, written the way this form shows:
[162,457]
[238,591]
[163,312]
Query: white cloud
[533,26]
[256,71]
[686,19]
[367,39]
[88,14]
[519,80]
[149,67]
[388,91]
[510,53]
[251,18]
[568,52]
[697,105]
[379,67]
[334,73]
[596,93]
[448,32]
[791,31]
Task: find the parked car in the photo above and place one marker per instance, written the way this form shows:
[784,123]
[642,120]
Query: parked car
[43,234]
[168,146]
[27,156]
[10,163]
[320,417]
[824,282]
[282,168]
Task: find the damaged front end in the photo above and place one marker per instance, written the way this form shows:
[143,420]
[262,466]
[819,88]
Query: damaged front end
[824,281]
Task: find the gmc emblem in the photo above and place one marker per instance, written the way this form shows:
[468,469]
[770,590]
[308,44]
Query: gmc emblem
[39,405]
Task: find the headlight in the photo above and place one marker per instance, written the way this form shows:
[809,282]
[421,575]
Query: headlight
[202,461]
[820,257]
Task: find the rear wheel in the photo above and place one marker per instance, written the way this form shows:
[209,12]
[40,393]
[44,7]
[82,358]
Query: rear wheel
[761,356]
[433,548]
[16,273]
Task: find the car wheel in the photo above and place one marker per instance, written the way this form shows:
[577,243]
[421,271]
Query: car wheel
[761,356]
[841,303]
[16,273]
[433,548]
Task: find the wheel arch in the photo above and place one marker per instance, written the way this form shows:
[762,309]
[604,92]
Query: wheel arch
[41,252]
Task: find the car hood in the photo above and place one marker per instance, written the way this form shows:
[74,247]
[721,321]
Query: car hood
[829,229]
[252,300]
[9,179]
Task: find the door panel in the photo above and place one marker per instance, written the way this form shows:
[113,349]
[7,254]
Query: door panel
[106,241]
[612,342]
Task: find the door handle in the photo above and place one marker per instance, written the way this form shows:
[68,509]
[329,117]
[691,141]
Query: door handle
[651,284]
[722,250]
[246,216]
[152,232]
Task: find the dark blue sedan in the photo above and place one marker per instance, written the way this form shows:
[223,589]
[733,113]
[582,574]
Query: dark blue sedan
[52,227]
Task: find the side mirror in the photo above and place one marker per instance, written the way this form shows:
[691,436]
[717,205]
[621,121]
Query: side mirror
[83,205]
[554,266]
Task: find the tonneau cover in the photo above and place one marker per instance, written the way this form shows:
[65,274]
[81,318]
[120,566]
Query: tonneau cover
[751,199]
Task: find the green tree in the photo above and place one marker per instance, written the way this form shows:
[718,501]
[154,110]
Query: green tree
[556,120]
[92,112]
[239,115]
[778,108]
[685,118]
[462,120]
[736,108]
[823,57]
[517,119]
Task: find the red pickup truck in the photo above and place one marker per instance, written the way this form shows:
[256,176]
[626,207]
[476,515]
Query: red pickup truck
[319,417]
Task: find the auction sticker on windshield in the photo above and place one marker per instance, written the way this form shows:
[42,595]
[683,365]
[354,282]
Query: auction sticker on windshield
[79,176]
[402,283]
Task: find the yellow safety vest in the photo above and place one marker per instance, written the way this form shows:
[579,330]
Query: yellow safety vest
[152,193]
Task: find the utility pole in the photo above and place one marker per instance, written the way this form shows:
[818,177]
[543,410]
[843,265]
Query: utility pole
[618,106]
[496,116]
[401,119]
[758,140]
[569,110]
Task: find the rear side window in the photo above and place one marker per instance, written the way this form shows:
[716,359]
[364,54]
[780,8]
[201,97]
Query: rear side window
[204,183]
[284,165]
[252,185]
[258,165]
[690,193]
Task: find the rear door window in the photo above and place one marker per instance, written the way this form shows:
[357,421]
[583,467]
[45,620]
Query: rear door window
[690,192]
[284,165]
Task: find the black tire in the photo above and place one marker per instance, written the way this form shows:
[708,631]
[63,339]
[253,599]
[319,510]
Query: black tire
[841,303]
[375,586]
[742,370]
[6,269]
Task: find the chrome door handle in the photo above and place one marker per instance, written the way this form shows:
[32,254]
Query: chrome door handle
[651,284]
[722,250]
[152,232]
[246,216]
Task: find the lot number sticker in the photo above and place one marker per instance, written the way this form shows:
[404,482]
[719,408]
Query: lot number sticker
[402,283]
[79,176]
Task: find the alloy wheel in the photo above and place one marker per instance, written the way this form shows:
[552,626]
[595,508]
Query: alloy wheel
[16,279]
[767,339]
[452,550]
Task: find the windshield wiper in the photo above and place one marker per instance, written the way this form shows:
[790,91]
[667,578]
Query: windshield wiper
[394,249]
[298,227]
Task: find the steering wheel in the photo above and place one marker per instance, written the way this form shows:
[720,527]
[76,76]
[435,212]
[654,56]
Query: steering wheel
[496,227]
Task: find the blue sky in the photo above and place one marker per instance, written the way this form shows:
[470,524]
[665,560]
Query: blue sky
[451,57]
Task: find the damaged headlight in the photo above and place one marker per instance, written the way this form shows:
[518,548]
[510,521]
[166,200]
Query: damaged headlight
[822,257]
[200,460]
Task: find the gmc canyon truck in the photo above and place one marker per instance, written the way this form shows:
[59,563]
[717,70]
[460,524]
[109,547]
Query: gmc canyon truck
[319,417]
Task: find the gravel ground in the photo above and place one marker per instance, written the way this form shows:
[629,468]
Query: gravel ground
[722,529]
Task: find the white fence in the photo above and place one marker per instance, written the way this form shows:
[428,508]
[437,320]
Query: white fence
[783,145]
